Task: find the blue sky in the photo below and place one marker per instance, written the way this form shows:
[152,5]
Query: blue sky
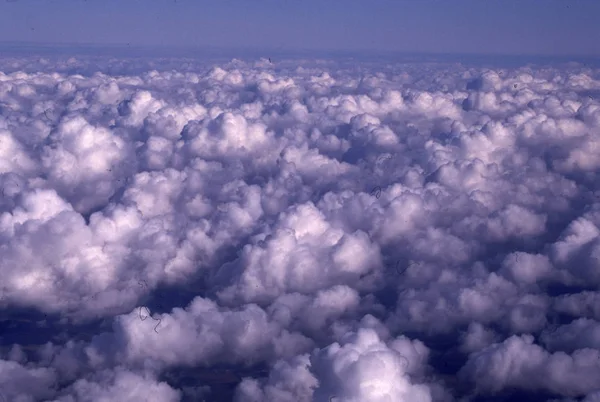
[549,27]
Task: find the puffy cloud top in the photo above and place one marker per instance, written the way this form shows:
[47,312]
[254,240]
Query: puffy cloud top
[307,230]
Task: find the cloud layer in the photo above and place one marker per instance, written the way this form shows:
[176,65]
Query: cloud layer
[298,230]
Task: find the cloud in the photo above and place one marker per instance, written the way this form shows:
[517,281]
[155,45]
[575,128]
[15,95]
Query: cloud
[179,229]
[518,363]
[362,368]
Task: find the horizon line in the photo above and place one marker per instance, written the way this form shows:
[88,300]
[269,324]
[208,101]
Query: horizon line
[279,49]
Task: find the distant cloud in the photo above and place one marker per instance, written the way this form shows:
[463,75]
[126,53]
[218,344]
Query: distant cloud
[313,229]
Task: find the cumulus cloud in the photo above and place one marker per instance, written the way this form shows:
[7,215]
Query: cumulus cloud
[302,230]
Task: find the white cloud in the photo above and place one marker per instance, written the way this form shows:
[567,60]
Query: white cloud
[369,231]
